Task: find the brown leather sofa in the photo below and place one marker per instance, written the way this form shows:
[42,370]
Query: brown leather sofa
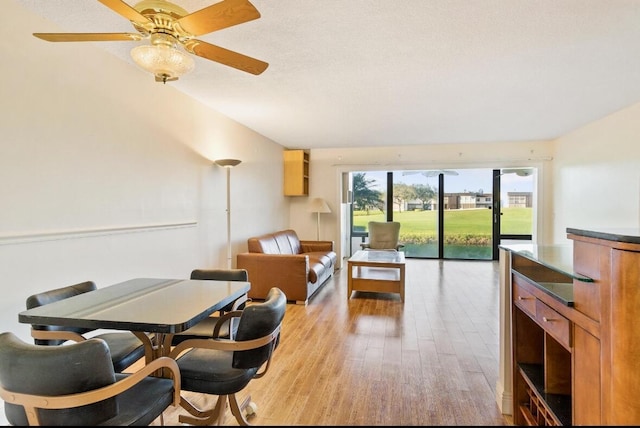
[281,259]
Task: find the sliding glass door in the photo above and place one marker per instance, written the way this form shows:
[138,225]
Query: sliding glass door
[517,211]
[415,198]
[468,219]
[368,203]
[447,214]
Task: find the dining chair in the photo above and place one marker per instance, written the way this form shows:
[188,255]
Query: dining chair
[383,235]
[125,348]
[76,384]
[204,329]
[224,367]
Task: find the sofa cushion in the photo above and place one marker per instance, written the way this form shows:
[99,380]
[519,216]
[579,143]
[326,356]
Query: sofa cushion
[320,257]
[265,244]
[284,242]
[294,241]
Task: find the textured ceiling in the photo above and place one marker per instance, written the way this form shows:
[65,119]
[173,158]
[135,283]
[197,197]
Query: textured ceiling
[354,73]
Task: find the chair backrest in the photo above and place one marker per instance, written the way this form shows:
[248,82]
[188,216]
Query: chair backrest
[258,320]
[224,275]
[57,370]
[51,296]
[384,235]
[221,274]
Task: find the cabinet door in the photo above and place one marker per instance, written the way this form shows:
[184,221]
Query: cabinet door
[624,343]
[296,173]
[587,403]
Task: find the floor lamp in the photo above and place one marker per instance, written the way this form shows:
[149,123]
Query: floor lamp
[319,205]
[228,164]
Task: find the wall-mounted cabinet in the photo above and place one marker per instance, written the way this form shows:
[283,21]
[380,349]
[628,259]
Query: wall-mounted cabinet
[296,173]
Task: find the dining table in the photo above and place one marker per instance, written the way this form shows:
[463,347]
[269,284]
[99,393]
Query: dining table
[153,309]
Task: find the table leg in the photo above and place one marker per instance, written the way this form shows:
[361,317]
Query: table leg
[149,346]
[349,279]
[155,346]
[402,283]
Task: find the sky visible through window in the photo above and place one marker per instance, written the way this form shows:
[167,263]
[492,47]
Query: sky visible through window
[467,180]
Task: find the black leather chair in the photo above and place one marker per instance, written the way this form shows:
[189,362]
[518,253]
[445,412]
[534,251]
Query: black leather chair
[204,329]
[224,367]
[75,384]
[125,348]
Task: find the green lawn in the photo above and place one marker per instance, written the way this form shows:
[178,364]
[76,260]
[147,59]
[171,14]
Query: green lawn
[472,225]
[467,232]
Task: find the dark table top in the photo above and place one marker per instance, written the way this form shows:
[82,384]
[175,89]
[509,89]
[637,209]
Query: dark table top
[620,234]
[143,304]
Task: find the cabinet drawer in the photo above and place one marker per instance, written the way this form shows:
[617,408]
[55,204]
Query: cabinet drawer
[554,324]
[523,299]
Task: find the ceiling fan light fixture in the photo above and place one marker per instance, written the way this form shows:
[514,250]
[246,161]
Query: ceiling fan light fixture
[162,58]
[172,30]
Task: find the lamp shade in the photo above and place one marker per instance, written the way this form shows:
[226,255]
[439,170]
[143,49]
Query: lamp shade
[227,163]
[319,205]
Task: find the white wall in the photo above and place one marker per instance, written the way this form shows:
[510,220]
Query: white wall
[597,173]
[107,175]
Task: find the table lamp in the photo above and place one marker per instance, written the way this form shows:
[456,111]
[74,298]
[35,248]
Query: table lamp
[319,205]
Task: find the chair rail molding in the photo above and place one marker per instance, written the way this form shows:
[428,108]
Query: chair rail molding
[86,233]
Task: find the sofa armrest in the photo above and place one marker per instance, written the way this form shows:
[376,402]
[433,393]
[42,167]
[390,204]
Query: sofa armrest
[316,246]
[280,270]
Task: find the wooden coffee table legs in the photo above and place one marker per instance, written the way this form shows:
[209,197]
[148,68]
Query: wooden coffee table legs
[377,279]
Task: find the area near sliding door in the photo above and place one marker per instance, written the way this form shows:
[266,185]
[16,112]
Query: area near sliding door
[455,221]
[449,213]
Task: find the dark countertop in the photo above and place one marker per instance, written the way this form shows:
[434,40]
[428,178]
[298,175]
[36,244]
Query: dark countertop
[630,235]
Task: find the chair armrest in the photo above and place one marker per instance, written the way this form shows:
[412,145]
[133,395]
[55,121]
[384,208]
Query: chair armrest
[221,320]
[57,335]
[316,246]
[32,402]
[225,344]
[239,302]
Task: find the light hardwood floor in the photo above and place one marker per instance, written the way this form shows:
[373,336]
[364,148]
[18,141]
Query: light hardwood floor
[372,360]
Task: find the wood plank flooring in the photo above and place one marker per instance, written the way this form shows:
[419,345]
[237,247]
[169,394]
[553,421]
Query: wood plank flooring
[372,360]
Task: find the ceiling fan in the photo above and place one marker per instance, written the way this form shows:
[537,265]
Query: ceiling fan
[520,172]
[432,172]
[168,26]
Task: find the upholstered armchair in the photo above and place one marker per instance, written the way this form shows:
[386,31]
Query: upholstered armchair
[383,235]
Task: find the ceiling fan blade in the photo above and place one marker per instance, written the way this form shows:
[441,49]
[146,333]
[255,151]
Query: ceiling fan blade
[226,57]
[88,37]
[432,172]
[123,9]
[218,16]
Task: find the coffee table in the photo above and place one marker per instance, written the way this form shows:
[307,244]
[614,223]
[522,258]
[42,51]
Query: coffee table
[378,271]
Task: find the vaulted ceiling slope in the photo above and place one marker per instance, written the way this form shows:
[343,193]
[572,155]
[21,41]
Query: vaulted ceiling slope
[356,73]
